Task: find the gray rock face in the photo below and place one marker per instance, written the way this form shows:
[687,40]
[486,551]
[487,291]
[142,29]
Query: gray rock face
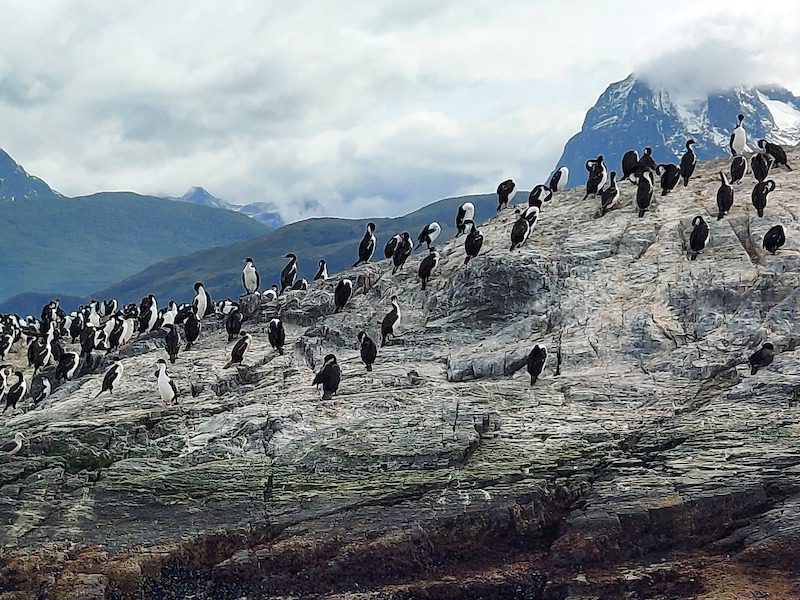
[645,462]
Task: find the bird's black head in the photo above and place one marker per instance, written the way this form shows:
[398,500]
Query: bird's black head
[248,260]
[371,227]
[768,346]
[321,263]
[600,158]
[405,235]
[290,256]
[198,285]
[697,220]
[689,143]
[330,358]
[361,336]
[648,150]
[613,174]
[740,117]
[161,361]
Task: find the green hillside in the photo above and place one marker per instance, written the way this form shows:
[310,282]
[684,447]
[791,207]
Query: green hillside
[335,240]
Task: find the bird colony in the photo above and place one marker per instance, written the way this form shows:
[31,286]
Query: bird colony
[638,290]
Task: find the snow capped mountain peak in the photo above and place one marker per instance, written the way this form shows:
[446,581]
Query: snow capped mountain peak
[198,195]
[632,114]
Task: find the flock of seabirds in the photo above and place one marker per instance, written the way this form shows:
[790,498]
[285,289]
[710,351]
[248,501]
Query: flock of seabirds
[104,326]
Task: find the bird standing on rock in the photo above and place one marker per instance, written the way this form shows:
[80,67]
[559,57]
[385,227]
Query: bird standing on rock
[367,246]
[233,324]
[559,180]
[402,251]
[342,293]
[699,237]
[239,350]
[465,214]
[427,265]
[610,195]
[598,175]
[761,358]
[429,234]
[172,342]
[12,448]
[369,351]
[329,377]
[276,335]
[473,243]
[390,321]
[520,231]
[688,162]
[739,167]
[670,176]
[774,239]
[289,273]
[738,141]
[537,359]
[505,193]
[166,386]
[203,305]
[776,152]
[111,378]
[759,196]
[322,272]
[644,192]
[16,392]
[250,278]
[724,197]
[761,164]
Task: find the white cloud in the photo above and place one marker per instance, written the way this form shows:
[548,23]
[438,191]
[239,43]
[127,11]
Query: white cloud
[337,107]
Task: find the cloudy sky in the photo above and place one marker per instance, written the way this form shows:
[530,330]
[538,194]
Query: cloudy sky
[346,108]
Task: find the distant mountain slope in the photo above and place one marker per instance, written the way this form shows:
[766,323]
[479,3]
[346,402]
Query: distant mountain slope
[263,212]
[633,114]
[335,240]
[52,244]
[31,303]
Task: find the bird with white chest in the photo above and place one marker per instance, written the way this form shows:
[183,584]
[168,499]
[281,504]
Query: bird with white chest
[166,386]
[250,278]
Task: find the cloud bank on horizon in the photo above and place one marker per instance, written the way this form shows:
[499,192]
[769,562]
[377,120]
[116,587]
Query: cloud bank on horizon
[328,108]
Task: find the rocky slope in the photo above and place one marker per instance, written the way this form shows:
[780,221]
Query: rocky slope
[646,462]
[634,113]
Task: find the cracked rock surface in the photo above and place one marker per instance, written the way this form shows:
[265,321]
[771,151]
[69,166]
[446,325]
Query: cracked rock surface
[646,462]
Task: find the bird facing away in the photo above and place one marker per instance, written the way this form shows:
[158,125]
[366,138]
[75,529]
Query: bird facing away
[537,359]
[559,180]
[289,273]
[473,243]
[402,251]
[774,239]
[505,193]
[776,152]
[724,196]
[329,377]
[465,214]
[172,343]
[369,350]
[699,237]
[342,293]
[276,335]
[429,234]
[427,265]
[759,196]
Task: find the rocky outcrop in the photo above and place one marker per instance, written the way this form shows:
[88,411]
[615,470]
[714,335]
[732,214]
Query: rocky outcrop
[645,462]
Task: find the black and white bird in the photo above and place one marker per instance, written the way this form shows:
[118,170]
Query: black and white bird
[537,359]
[12,448]
[67,367]
[148,313]
[598,175]
[6,341]
[644,192]
[473,243]
[774,239]
[761,164]
[738,141]
[761,358]
[724,196]
[322,271]
[390,321]
[342,293]
[759,196]
[466,213]
[367,246]
[111,378]
[250,279]
[539,195]
[233,324]
[289,273]
[688,162]
[531,214]
[505,193]
[172,343]
[369,350]
[610,195]
[670,176]
[647,162]
[43,393]
[166,386]
[191,330]
[775,151]
[202,303]
[300,284]
[271,295]
[391,245]
[16,392]
[520,231]
[329,376]
[630,162]
[559,180]
[402,252]
[276,335]
[427,265]
[429,234]
[699,237]
[239,350]
[739,167]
